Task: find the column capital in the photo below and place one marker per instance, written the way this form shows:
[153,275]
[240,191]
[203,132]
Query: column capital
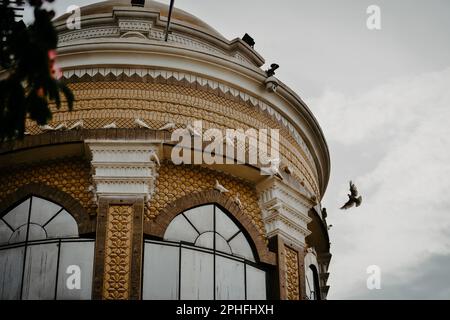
[285,210]
[124,168]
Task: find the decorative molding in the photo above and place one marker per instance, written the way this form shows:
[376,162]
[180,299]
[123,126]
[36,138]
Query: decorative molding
[135,25]
[117,264]
[323,260]
[240,57]
[151,33]
[292,274]
[183,77]
[190,43]
[284,210]
[123,168]
[88,33]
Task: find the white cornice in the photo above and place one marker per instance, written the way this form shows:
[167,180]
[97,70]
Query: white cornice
[284,210]
[123,19]
[123,167]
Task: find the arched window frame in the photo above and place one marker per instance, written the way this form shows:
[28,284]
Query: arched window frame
[63,244]
[190,245]
[157,227]
[311,266]
[239,232]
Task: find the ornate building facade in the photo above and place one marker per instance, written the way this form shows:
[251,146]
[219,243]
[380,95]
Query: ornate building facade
[94,207]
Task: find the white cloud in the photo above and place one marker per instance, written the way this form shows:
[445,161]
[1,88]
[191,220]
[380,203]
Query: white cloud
[404,126]
[393,107]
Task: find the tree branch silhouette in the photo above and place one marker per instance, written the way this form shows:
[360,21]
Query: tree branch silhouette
[28,76]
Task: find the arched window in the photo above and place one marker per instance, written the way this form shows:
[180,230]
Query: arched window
[312,283]
[41,256]
[204,255]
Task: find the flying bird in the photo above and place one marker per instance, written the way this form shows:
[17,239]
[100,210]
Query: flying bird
[353,198]
[141,123]
[46,128]
[220,187]
[168,126]
[112,125]
[154,157]
[193,131]
[77,125]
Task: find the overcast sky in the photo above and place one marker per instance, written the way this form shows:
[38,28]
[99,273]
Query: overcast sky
[382,98]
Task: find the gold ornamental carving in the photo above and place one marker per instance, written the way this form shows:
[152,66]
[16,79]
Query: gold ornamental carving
[116,283]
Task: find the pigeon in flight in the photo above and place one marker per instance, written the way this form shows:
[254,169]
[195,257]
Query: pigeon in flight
[353,198]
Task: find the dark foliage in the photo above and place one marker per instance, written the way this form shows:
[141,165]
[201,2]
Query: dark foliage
[28,77]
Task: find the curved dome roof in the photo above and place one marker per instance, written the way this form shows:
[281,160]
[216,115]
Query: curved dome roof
[178,16]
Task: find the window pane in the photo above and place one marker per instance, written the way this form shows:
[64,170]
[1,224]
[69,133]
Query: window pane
[40,272]
[201,218]
[19,235]
[36,232]
[42,210]
[222,244]
[5,233]
[256,283]
[63,225]
[196,275]
[180,230]
[240,246]
[160,272]
[18,216]
[78,254]
[229,279]
[11,264]
[205,240]
[224,225]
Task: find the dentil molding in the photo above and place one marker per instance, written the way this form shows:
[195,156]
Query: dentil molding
[123,168]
